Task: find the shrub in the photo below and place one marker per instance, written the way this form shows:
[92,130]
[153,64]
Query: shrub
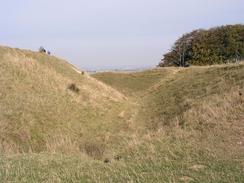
[42,50]
[73,88]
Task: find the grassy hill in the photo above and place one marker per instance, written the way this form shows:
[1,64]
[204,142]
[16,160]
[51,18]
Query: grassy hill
[186,116]
[40,112]
[160,125]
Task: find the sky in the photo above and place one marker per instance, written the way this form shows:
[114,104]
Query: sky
[110,34]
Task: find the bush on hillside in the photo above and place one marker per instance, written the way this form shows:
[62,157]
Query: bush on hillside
[206,47]
[72,87]
[42,49]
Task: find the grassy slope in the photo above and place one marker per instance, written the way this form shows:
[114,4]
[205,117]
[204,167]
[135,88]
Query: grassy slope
[38,113]
[169,125]
[198,112]
[133,83]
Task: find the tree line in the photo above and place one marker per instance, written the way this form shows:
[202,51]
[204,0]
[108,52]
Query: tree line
[207,47]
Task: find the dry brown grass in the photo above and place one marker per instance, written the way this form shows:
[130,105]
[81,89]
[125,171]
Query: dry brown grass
[34,100]
[161,125]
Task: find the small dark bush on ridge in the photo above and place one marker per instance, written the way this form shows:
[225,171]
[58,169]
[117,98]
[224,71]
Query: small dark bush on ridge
[42,49]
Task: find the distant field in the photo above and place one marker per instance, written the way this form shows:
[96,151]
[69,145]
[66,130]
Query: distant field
[132,82]
[159,125]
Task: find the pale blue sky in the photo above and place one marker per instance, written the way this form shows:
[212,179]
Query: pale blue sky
[102,34]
